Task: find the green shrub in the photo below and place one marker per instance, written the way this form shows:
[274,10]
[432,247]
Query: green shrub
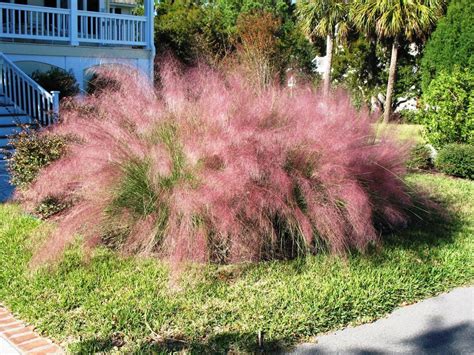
[50,206]
[409,116]
[449,114]
[451,44]
[456,160]
[420,158]
[98,83]
[33,151]
[57,79]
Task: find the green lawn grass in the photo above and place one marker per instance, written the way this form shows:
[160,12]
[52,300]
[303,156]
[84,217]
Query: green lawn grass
[109,301]
[402,131]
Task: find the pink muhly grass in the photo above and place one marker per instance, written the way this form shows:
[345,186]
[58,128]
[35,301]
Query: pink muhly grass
[206,169]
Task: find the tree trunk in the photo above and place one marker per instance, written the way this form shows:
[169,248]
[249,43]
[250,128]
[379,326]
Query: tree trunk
[391,82]
[327,72]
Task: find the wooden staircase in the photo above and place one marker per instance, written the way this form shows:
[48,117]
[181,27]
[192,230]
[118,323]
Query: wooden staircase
[23,104]
[11,122]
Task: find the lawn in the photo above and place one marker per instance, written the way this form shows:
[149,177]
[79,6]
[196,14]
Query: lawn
[108,301]
[404,132]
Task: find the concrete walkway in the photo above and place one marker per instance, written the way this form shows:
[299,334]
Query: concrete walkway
[6,190]
[6,348]
[439,325]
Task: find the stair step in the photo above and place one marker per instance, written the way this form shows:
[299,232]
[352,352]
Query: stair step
[12,115]
[16,125]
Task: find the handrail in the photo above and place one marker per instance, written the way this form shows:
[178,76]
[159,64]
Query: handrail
[35,8]
[112,16]
[27,95]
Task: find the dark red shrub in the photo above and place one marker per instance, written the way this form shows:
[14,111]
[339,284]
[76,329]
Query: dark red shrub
[207,169]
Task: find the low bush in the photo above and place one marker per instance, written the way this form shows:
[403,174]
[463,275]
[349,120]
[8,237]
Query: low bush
[57,79]
[449,116]
[456,160]
[420,157]
[97,84]
[207,169]
[33,151]
[409,116]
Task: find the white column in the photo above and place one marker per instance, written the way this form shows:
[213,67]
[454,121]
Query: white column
[150,23]
[149,34]
[55,105]
[73,23]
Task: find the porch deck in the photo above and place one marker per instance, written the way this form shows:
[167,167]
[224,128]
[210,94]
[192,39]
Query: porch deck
[37,24]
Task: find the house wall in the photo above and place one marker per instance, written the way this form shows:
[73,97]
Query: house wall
[31,57]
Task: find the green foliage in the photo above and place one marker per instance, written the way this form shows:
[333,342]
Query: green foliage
[457,160]
[98,84]
[33,151]
[50,206]
[451,44]
[357,67]
[449,116]
[321,18]
[176,27]
[420,158]
[90,304]
[198,30]
[361,67]
[135,192]
[402,20]
[410,116]
[57,79]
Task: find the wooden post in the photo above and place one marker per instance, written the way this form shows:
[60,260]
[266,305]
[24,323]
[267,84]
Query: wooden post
[73,23]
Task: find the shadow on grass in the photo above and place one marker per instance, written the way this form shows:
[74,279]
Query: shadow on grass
[219,344]
[435,228]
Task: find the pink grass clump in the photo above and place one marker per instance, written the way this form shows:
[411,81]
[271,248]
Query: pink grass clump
[207,169]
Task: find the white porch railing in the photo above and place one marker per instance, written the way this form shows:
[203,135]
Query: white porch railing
[27,95]
[70,25]
[97,27]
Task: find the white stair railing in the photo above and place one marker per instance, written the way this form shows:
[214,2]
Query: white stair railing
[27,95]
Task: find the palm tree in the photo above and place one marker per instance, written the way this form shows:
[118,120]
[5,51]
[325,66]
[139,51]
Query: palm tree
[324,18]
[396,21]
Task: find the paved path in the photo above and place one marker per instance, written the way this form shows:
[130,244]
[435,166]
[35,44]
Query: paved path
[439,325]
[18,338]
[6,348]
[6,189]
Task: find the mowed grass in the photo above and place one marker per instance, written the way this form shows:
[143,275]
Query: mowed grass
[403,132]
[113,303]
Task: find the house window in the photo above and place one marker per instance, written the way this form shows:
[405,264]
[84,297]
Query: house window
[115,10]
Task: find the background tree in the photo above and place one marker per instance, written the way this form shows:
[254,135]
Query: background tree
[324,18]
[257,46]
[395,21]
[451,44]
[209,31]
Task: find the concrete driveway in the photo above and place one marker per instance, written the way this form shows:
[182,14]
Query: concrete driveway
[439,325]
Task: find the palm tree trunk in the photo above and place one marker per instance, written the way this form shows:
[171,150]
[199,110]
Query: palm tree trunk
[391,82]
[327,72]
